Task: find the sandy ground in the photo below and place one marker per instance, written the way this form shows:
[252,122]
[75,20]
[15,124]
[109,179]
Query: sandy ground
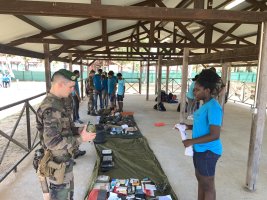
[8,118]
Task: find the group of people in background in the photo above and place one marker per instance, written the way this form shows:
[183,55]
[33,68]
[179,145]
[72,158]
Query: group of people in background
[102,87]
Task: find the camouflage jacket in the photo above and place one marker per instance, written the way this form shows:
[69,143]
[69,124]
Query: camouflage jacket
[54,125]
[89,85]
[68,104]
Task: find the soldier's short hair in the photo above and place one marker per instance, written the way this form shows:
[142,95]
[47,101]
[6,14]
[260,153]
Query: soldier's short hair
[100,71]
[111,73]
[76,72]
[65,74]
[92,71]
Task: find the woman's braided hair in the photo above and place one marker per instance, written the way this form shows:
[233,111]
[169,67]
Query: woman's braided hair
[210,80]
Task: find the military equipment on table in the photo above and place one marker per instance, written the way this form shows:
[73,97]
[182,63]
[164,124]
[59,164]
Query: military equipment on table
[90,128]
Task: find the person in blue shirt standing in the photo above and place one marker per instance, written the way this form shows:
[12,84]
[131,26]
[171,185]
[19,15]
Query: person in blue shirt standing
[104,80]
[121,91]
[112,84]
[6,80]
[206,128]
[98,88]
[1,79]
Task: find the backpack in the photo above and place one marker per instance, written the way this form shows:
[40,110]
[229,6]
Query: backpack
[161,107]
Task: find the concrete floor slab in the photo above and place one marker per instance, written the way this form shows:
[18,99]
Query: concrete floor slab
[167,146]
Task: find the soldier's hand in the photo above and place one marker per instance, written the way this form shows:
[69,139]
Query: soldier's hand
[86,136]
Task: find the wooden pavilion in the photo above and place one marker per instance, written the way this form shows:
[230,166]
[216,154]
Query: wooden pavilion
[224,32]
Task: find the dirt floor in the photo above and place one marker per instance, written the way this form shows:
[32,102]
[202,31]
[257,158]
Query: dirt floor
[167,146]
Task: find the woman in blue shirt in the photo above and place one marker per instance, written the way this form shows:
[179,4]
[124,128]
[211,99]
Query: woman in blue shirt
[206,128]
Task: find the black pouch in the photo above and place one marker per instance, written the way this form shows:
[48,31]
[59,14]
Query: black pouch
[38,155]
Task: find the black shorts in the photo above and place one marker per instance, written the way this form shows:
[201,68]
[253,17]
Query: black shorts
[119,98]
[205,162]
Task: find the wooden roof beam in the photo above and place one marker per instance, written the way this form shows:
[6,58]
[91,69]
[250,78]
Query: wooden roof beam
[46,33]
[184,3]
[127,12]
[241,54]
[159,3]
[230,35]
[242,36]
[186,32]
[126,44]
[22,52]
[57,52]
[75,53]
[227,33]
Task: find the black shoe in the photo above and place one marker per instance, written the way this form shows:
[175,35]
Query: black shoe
[79,153]
[88,112]
[74,163]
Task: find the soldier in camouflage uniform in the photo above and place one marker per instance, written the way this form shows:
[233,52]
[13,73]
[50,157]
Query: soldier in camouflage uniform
[54,125]
[90,92]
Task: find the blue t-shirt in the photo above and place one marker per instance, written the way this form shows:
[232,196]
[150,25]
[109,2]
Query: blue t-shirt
[105,84]
[121,84]
[208,114]
[111,84]
[6,78]
[76,88]
[97,82]
[190,93]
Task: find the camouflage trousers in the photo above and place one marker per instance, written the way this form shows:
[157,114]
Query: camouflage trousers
[91,102]
[63,191]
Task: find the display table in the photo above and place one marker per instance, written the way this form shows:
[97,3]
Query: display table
[132,158]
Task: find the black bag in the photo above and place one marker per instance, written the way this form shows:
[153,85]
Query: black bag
[38,155]
[170,96]
[161,107]
[100,137]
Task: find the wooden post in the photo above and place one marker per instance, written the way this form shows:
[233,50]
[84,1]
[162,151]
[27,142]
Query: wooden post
[224,79]
[147,80]
[156,79]
[140,80]
[167,79]
[81,77]
[47,67]
[70,62]
[159,80]
[258,117]
[184,85]
[228,81]
[133,68]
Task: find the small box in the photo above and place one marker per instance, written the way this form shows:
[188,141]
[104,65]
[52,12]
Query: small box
[106,151]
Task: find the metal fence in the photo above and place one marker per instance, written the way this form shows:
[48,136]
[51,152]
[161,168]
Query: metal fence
[242,92]
[19,142]
[133,84]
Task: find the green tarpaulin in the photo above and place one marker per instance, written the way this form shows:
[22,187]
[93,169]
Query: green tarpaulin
[133,158]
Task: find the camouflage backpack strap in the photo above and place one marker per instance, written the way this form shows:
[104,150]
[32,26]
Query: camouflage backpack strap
[43,169]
